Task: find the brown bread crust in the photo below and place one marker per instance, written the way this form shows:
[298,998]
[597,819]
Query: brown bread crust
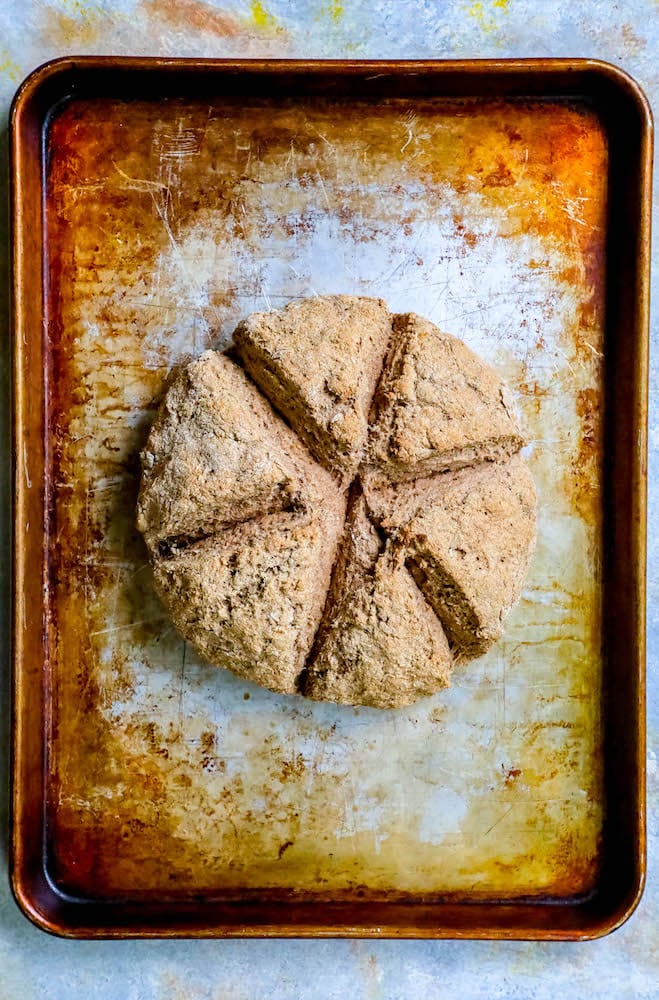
[354,534]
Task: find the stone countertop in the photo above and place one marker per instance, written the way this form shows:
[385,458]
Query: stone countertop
[626,964]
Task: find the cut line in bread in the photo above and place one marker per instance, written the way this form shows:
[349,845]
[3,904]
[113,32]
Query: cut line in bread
[318,361]
[380,644]
[250,598]
[385,647]
[358,550]
[438,406]
[467,538]
[218,454]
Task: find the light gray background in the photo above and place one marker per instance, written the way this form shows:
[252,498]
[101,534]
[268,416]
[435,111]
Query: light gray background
[626,964]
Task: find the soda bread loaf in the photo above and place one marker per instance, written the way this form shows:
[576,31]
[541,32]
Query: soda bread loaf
[338,509]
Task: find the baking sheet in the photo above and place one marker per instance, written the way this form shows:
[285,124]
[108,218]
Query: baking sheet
[174,798]
[169,222]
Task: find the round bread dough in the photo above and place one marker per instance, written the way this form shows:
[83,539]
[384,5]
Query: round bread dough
[339,508]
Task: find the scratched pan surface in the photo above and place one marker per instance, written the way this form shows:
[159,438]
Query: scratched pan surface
[176,798]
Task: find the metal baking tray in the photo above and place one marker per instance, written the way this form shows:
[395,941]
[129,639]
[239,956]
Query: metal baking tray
[154,203]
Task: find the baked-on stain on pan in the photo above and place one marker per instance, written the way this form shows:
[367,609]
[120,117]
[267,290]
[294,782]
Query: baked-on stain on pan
[509,203]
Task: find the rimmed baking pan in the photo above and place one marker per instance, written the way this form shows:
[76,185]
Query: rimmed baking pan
[155,203]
